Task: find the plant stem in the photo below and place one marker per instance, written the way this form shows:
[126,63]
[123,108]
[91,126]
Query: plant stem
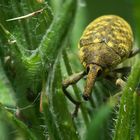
[124,121]
[52,40]
[137,115]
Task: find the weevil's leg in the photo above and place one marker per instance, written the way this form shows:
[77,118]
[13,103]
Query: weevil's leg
[123,70]
[134,52]
[120,83]
[112,76]
[69,81]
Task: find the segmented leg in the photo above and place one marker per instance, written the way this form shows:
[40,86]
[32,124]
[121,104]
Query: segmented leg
[124,70]
[134,52]
[69,81]
[112,76]
[120,82]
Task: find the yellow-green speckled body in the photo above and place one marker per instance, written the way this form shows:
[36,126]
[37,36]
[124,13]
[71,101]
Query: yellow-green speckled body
[106,41]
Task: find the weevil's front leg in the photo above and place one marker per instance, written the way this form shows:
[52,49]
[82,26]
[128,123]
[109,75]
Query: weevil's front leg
[134,52]
[70,81]
[123,70]
[120,83]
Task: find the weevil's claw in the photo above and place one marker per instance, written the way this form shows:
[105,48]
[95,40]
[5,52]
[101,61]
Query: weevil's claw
[86,97]
[120,82]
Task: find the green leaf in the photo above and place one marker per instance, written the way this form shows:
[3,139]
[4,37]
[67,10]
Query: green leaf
[61,118]
[20,126]
[48,117]
[97,122]
[6,90]
[137,115]
[123,129]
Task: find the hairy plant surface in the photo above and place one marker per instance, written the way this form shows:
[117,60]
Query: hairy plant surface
[38,49]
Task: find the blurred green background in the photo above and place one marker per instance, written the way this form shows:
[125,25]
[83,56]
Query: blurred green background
[11,127]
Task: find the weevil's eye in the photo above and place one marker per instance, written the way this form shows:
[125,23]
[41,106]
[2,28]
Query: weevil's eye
[87,70]
[100,72]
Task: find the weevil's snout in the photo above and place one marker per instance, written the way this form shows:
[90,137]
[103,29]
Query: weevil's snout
[93,71]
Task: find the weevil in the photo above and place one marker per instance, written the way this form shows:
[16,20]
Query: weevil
[105,43]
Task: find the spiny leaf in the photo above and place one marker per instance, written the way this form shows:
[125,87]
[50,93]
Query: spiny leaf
[123,125]
[21,127]
[96,125]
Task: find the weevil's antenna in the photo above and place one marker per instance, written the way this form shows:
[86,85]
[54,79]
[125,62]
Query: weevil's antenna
[92,74]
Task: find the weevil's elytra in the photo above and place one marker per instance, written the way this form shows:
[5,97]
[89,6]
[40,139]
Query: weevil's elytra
[104,37]
[105,43]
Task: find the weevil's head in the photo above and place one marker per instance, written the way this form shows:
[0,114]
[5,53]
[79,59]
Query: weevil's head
[90,58]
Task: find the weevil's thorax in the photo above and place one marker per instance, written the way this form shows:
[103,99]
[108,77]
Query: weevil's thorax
[106,41]
[99,54]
